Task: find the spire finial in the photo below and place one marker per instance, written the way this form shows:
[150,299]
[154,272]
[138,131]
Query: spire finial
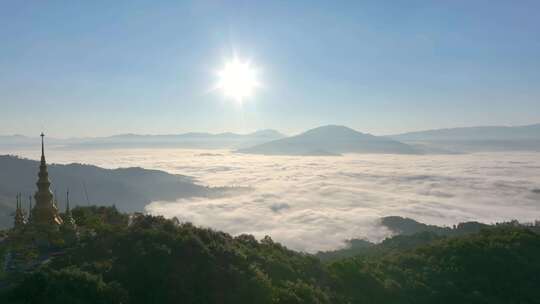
[42,146]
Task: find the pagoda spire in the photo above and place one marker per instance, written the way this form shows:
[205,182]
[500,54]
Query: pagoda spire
[19,216]
[69,221]
[45,212]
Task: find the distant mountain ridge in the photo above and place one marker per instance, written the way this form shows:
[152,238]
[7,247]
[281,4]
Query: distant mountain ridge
[475,139]
[331,140]
[184,140]
[325,140]
[474,133]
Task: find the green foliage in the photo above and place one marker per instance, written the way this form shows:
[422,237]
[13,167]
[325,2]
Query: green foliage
[159,261]
[497,265]
[397,243]
[99,217]
[68,285]
[155,260]
[353,247]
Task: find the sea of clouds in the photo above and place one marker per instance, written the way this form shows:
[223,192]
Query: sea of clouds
[315,203]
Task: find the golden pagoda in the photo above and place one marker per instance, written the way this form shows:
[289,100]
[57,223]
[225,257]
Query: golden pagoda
[45,212]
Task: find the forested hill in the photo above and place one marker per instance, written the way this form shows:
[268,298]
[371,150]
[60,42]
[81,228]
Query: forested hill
[406,226]
[409,234]
[497,265]
[155,260]
[130,189]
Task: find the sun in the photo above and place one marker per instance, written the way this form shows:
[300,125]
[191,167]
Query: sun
[238,79]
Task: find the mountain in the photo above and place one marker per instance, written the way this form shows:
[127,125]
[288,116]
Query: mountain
[266,133]
[330,140]
[131,189]
[473,139]
[186,140]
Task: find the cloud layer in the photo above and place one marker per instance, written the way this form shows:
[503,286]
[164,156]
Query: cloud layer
[315,203]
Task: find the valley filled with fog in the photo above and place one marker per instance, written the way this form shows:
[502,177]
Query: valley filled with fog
[316,202]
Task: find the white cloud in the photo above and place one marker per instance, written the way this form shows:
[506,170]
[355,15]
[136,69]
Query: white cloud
[314,203]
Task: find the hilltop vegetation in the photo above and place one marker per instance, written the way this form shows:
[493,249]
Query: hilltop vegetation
[155,260]
[497,265]
[408,234]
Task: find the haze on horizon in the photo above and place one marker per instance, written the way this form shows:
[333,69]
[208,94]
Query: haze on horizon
[100,68]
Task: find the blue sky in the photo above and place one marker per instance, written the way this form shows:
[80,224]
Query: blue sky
[91,68]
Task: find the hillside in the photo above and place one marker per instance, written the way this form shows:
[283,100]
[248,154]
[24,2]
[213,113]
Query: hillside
[330,140]
[129,188]
[159,261]
[408,234]
[155,260]
[497,265]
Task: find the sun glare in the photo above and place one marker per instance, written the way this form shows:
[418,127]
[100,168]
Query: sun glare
[238,79]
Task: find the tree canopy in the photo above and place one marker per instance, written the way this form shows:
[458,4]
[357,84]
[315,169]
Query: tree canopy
[149,259]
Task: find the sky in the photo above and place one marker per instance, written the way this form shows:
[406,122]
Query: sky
[95,68]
